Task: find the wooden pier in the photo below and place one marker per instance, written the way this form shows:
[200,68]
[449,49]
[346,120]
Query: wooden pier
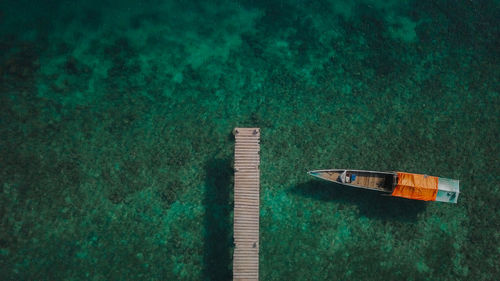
[246,204]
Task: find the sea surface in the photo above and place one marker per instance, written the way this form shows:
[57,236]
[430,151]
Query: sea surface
[116,151]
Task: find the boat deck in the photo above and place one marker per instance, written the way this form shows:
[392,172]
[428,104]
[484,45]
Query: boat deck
[363,179]
[246,204]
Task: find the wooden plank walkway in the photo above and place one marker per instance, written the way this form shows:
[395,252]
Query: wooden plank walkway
[246,204]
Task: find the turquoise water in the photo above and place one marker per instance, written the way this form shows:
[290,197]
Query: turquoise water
[116,149]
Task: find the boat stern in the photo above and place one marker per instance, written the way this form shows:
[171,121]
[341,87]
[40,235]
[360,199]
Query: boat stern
[448,190]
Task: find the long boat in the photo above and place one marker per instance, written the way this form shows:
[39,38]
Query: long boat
[399,184]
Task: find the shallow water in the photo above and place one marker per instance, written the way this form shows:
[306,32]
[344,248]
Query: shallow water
[116,146]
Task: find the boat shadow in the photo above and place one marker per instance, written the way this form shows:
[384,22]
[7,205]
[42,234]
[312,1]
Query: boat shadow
[371,204]
[218,240]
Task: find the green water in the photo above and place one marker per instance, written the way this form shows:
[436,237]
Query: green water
[116,149]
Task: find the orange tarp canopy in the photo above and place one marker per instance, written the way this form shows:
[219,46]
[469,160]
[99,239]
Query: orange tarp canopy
[415,186]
